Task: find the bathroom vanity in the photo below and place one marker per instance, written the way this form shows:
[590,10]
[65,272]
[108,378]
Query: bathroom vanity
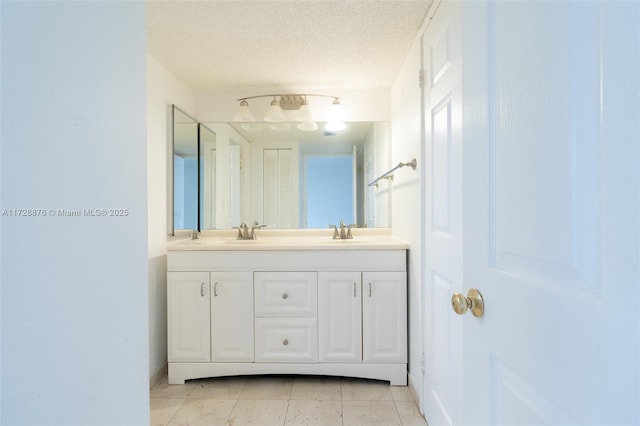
[290,302]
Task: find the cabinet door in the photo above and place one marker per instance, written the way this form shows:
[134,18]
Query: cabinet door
[339,317]
[188,326]
[384,317]
[232,316]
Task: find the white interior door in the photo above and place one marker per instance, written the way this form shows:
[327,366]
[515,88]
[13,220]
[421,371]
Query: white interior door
[443,215]
[551,212]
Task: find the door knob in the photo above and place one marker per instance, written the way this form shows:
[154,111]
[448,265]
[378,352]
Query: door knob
[473,301]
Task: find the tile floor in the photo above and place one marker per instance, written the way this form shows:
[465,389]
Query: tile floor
[282,400]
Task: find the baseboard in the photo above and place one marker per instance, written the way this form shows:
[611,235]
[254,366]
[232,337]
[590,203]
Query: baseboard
[159,374]
[414,394]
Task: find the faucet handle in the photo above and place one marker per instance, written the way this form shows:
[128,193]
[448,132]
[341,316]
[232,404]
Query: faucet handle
[335,231]
[349,235]
[243,231]
[255,225]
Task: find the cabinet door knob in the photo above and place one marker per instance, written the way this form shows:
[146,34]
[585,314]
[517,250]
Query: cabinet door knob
[215,289]
[202,289]
[285,296]
[354,289]
[285,342]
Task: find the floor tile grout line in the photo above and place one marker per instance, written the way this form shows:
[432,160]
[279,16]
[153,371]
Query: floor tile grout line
[395,405]
[341,404]
[235,403]
[176,413]
[286,413]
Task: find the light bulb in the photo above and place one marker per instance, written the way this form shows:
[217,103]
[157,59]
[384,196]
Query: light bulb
[336,113]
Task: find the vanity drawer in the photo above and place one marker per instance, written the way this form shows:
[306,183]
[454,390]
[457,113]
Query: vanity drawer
[286,294]
[286,340]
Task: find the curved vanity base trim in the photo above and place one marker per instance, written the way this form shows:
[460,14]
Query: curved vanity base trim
[396,374]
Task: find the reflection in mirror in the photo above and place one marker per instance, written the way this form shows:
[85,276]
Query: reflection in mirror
[185,171]
[286,178]
[207,177]
[328,190]
[236,181]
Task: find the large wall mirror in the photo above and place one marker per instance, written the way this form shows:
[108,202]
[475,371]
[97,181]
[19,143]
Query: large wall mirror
[302,179]
[286,178]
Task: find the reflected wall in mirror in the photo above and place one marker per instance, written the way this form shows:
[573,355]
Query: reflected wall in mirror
[287,178]
[184,171]
[208,180]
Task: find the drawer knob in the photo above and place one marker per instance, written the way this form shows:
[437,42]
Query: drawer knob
[285,296]
[285,342]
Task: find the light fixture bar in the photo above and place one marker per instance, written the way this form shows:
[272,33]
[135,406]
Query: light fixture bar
[293,102]
[302,95]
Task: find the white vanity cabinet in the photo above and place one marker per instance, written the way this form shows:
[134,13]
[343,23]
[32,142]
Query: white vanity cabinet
[317,312]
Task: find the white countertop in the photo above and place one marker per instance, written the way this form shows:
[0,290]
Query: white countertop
[292,239]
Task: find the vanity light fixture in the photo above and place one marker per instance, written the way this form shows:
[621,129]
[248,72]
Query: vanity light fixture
[293,102]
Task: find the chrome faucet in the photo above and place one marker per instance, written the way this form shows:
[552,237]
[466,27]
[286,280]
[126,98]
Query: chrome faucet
[344,233]
[244,233]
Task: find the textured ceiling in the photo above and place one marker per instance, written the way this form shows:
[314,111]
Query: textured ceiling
[347,44]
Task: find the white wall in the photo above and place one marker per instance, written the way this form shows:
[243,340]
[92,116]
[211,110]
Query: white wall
[406,209]
[163,90]
[74,289]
